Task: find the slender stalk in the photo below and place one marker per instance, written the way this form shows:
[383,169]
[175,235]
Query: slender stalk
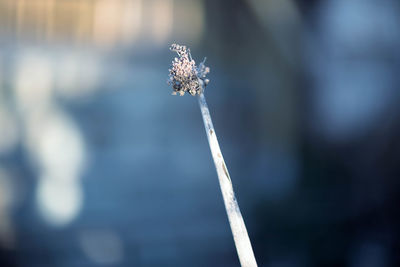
[240,236]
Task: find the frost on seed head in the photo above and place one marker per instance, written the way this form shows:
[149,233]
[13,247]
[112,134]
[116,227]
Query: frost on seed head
[184,75]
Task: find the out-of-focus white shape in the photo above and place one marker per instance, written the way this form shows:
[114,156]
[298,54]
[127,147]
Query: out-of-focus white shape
[161,19]
[107,19]
[102,246]
[7,199]
[188,24]
[33,81]
[77,75]
[131,17]
[56,144]
[59,201]
[53,140]
[9,131]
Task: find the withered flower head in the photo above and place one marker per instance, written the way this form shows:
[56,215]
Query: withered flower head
[185,76]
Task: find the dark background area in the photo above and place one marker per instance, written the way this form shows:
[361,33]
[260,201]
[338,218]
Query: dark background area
[101,166]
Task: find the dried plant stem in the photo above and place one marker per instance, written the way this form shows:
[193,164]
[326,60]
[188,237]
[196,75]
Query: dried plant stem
[240,236]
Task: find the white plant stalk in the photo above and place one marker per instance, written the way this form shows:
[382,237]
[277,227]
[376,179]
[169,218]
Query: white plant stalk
[238,228]
[186,77]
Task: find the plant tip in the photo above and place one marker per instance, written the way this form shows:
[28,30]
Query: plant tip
[184,75]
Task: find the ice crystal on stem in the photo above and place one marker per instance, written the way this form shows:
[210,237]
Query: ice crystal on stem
[184,75]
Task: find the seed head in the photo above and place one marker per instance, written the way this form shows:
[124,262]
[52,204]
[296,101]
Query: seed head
[184,75]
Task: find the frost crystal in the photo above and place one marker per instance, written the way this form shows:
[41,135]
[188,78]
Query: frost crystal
[185,76]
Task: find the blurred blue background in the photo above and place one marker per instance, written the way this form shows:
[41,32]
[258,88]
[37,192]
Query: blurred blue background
[101,166]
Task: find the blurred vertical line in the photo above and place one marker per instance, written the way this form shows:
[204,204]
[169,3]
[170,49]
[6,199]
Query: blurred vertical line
[39,20]
[49,20]
[189,21]
[4,7]
[84,31]
[106,14]
[131,21]
[162,11]
[20,6]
